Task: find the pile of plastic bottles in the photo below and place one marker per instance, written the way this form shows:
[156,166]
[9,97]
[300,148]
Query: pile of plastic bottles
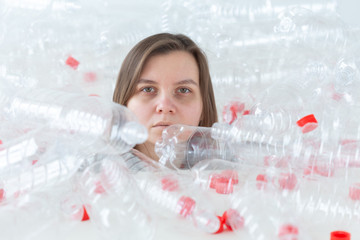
[282,163]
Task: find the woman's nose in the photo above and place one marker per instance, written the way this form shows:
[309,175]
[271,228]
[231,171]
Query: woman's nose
[165,105]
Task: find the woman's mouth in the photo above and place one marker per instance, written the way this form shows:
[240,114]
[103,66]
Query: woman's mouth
[162,124]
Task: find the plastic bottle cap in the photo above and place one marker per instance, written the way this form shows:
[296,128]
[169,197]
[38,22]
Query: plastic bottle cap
[232,109]
[72,62]
[324,170]
[232,219]
[223,182]
[309,127]
[246,112]
[221,226]
[99,188]
[2,195]
[354,191]
[224,187]
[305,120]
[169,184]
[261,181]
[307,123]
[85,215]
[90,77]
[186,206]
[287,181]
[340,235]
[230,175]
[212,180]
[288,229]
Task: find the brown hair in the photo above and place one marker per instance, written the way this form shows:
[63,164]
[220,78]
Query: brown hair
[163,43]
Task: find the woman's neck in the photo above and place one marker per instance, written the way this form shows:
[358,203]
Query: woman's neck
[148,149]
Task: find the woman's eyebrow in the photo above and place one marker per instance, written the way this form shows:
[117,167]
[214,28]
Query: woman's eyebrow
[186,81]
[146,81]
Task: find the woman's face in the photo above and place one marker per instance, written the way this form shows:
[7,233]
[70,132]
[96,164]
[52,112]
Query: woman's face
[168,93]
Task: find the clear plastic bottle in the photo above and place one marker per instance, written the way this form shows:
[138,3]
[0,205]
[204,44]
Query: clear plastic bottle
[266,216]
[20,152]
[331,141]
[183,146]
[89,119]
[52,168]
[168,196]
[114,203]
[335,199]
[27,218]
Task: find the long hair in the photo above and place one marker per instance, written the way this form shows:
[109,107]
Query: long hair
[164,43]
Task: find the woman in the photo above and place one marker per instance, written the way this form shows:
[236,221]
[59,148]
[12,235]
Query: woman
[165,80]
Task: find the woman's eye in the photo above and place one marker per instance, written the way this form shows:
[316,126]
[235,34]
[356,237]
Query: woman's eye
[183,90]
[148,89]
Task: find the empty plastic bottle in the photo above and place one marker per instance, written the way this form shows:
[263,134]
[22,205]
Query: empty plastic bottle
[173,202]
[91,120]
[114,203]
[53,168]
[183,146]
[251,209]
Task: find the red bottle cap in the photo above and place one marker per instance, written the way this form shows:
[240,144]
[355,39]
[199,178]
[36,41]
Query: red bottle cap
[288,229]
[212,180]
[221,226]
[261,181]
[323,170]
[305,120]
[307,123]
[2,195]
[99,188]
[287,181]
[186,206]
[72,62]
[354,191]
[85,215]
[223,182]
[234,108]
[90,77]
[231,175]
[224,187]
[340,235]
[233,219]
[246,112]
[169,184]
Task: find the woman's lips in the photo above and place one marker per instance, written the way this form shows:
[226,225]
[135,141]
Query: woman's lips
[162,124]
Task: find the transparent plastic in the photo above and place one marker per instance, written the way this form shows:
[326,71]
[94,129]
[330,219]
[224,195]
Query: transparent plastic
[20,152]
[182,146]
[333,142]
[169,198]
[52,168]
[27,218]
[334,199]
[253,208]
[89,119]
[114,203]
